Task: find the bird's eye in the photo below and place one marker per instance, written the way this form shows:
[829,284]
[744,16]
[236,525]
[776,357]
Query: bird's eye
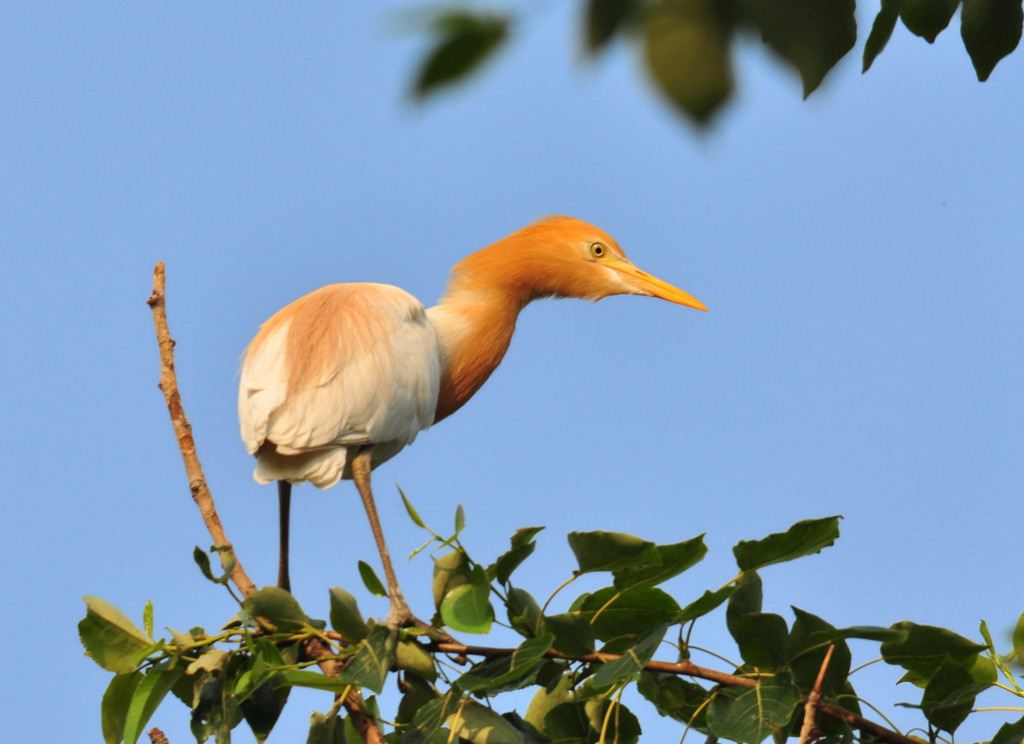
[598,250]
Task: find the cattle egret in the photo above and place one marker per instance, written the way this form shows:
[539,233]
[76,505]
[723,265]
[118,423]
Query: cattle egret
[339,381]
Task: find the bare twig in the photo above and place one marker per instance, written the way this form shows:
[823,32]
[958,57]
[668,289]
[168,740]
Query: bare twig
[183,430]
[156,736]
[811,703]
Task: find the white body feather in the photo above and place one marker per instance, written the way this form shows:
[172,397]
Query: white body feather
[372,377]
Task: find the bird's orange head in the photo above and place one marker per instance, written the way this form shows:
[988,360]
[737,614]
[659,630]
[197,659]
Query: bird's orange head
[560,257]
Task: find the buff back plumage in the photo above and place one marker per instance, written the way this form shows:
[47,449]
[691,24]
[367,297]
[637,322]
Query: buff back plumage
[344,366]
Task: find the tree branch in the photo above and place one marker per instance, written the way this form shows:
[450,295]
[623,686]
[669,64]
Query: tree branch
[183,431]
[691,670]
[812,700]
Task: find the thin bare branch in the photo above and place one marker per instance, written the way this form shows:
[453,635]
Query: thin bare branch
[811,703]
[183,431]
[156,736]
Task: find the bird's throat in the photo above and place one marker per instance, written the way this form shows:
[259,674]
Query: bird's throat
[474,332]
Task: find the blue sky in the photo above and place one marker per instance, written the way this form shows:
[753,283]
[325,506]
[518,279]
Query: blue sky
[859,252]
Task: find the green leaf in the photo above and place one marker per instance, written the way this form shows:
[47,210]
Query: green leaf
[673,560]
[871,633]
[110,638]
[927,18]
[687,49]
[150,691]
[410,656]
[416,693]
[990,29]
[632,614]
[761,637]
[114,709]
[604,18]
[1010,733]
[203,561]
[450,570]
[676,698]
[463,41]
[325,730]
[572,632]
[315,681]
[481,725]
[372,661]
[881,30]
[432,716]
[609,551]
[262,707]
[413,515]
[507,672]
[547,698]
[808,642]
[706,603]
[460,519]
[949,696]
[523,545]
[345,616]
[632,661]
[278,608]
[370,580]
[926,648]
[523,612]
[811,35]
[1018,640]
[752,714]
[803,538]
[467,607]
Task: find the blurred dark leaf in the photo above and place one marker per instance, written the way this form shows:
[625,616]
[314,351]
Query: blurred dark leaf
[463,40]
[927,18]
[812,35]
[687,48]
[881,30]
[991,29]
[604,19]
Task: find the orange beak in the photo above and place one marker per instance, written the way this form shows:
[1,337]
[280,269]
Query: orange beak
[651,286]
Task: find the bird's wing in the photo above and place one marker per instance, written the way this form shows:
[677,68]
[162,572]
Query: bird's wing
[348,364]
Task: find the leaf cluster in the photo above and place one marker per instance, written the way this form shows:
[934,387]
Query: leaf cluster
[578,662]
[688,45]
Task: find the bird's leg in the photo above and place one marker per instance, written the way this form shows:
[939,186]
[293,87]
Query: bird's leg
[284,502]
[399,614]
